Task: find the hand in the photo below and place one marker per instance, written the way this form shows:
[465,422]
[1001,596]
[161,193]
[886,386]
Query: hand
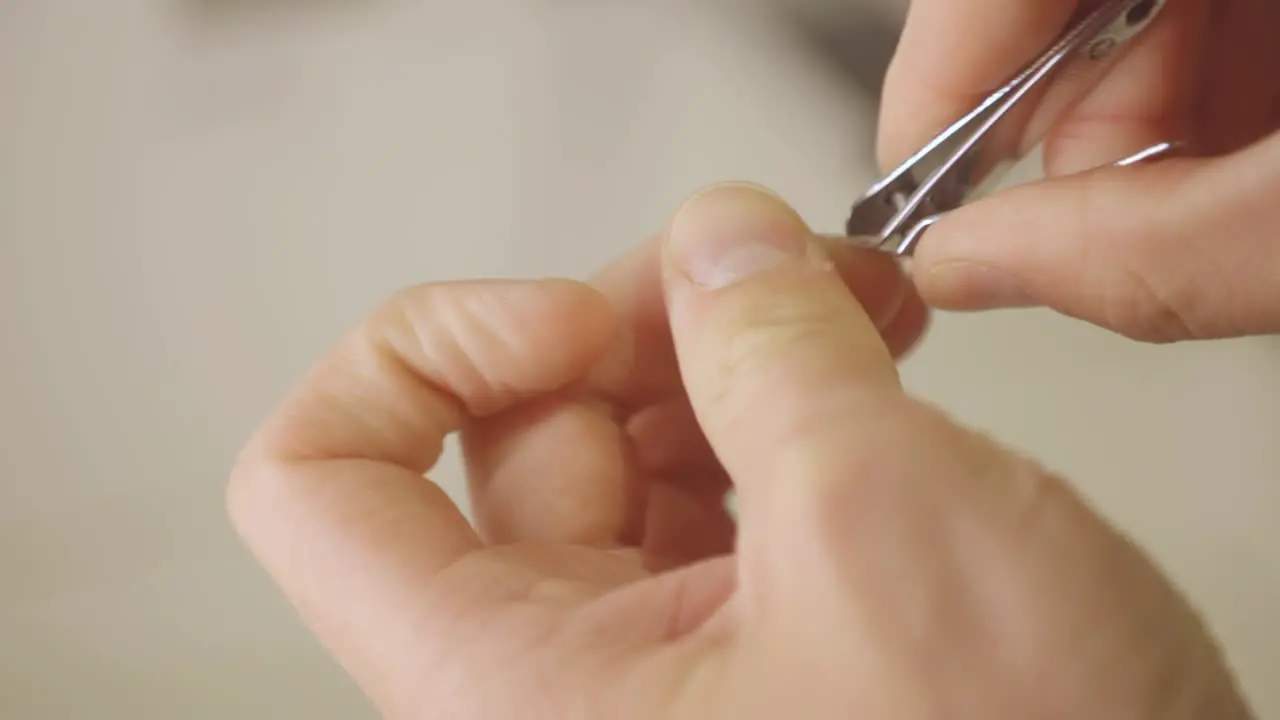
[1179,249]
[889,563]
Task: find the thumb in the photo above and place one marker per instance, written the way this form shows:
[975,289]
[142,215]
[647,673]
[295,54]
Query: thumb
[872,527]
[1176,250]
[788,377]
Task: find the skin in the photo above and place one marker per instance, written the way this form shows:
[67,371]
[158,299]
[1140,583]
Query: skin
[1182,249]
[888,563]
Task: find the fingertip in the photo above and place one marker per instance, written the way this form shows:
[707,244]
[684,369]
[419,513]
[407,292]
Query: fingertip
[1000,252]
[766,336]
[876,279]
[1110,246]
[728,232]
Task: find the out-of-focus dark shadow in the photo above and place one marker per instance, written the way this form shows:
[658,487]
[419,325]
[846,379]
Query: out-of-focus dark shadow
[212,15]
[857,40]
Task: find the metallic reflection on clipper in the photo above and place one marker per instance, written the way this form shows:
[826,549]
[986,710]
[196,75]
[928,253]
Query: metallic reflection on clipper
[970,158]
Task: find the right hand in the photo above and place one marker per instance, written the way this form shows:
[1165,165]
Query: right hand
[1179,249]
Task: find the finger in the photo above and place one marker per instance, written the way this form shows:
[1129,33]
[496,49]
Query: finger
[867,516]
[627,432]
[1171,251]
[640,369]
[1150,97]
[953,54]
[750,288]
[685,518]
[554,471]
[790,380]
[685,526]
[330,494]
[596,497]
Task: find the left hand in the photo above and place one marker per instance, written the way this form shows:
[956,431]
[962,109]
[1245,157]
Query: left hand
[587,472]
[889,563]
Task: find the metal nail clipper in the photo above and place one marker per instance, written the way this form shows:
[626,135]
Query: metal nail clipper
[968,159]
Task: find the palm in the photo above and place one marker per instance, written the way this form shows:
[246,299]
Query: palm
[529,612]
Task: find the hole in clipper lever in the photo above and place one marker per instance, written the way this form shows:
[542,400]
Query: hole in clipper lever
[1141,12]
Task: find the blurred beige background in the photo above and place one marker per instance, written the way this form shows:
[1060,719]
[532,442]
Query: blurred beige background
[192,207]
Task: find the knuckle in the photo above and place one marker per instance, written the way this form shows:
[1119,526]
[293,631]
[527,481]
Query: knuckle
[1147,313]
[1153,302]
[447,339]
[1147,292]
[1036,497]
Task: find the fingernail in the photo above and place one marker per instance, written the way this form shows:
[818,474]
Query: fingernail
[893,308]
[732,232]
[977,285]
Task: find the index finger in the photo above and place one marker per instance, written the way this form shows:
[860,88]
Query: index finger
[330,493]
[951,55]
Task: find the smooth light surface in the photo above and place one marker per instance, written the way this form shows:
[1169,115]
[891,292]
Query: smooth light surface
[193,208]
